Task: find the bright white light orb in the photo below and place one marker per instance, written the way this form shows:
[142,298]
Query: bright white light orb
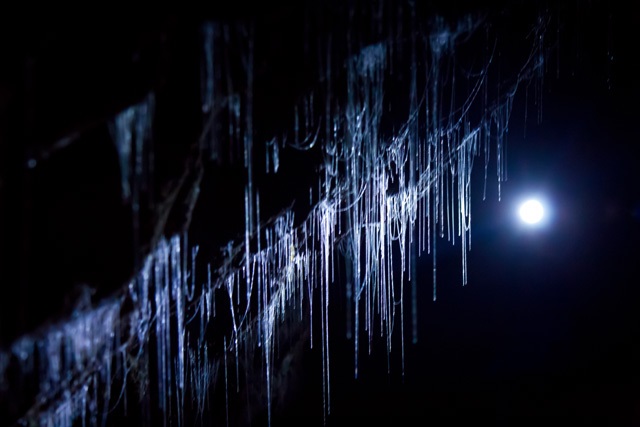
[531,211]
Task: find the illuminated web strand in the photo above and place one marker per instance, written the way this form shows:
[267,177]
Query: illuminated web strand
[384,196]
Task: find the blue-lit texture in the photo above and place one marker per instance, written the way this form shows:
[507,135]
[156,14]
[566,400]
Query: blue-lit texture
[380,201]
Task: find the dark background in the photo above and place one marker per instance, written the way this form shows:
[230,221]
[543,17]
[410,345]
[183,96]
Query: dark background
[547,327]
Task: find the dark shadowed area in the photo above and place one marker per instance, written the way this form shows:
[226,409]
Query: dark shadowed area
[112,142]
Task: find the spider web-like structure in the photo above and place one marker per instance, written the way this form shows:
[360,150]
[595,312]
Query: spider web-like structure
[404,103]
